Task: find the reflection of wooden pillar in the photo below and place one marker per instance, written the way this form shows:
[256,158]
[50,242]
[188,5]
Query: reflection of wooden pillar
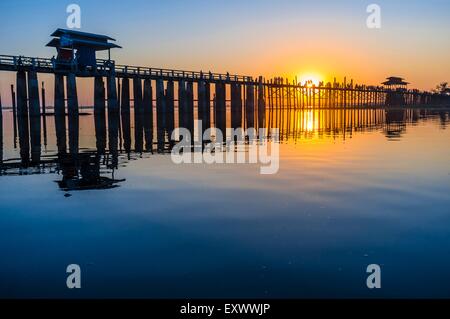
[207,116]
[73,134]
[148,115]
[35,116]
[22,116]
[113,118]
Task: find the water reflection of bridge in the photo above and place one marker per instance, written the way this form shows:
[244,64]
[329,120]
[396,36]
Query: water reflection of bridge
[343,123]
[80,170]
[119,135]
[162,97]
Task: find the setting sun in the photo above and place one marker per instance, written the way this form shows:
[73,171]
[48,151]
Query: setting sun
[309,79]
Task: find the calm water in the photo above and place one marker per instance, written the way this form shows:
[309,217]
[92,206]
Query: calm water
[354,188]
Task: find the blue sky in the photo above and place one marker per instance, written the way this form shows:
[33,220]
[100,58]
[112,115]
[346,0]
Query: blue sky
[279,37]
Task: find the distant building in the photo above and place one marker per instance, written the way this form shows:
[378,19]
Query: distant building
[397,86]
[75,47]
[394,83]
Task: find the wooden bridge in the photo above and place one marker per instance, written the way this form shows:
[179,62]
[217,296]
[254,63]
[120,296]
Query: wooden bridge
[173,97]
[154,89]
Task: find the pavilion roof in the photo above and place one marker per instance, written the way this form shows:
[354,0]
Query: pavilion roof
[76,39]
[394,80]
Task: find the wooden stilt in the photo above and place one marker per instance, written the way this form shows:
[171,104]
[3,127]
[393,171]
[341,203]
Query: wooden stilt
[250,106]
[220,109]
[35,116]
[236,105]
[22,117]
[100,114]
[113,119]
[148,115]
[170,106]
[138,115]
[125,114]
[161,114]
[261,104]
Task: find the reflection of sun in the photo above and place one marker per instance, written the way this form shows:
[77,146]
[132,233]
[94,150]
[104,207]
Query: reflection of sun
[309,125]
[309,79]
[309,121]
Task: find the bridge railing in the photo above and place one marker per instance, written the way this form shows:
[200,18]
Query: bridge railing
[16,61]
[108,65]
[53,64]
[158,72]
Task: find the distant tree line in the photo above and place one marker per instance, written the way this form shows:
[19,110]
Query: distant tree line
[442,88]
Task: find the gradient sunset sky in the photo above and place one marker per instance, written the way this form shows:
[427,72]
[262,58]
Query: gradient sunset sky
[253,37]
